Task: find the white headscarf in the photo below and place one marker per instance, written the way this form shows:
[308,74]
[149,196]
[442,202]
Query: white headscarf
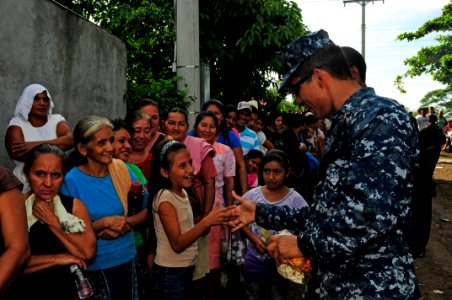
[25,102]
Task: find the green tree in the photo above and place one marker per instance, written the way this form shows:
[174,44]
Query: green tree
[238,39]
[433,60]
[441,98]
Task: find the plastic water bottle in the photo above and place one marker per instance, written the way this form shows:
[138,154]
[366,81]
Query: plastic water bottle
[135,198]
[84,289]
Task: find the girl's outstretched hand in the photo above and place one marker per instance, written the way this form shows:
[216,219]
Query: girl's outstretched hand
[220,216]
[245,212]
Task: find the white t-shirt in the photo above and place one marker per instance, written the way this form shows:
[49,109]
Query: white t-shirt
[262,138]
[165,256]
[422,122]
[33,134]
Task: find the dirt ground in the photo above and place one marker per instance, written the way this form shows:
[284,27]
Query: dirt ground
[434,271]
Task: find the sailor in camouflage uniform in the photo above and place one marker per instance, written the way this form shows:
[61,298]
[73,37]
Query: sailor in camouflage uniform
[353,229]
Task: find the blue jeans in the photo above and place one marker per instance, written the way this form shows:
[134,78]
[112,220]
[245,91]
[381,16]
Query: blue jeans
[115,283]
[170,283]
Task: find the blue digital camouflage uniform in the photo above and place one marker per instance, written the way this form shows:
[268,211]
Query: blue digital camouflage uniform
[353,229]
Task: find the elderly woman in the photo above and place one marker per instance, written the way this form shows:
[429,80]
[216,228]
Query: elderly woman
[14,249]
[140,127]
[102,183]
[59,230]
[34,124]
[150,107]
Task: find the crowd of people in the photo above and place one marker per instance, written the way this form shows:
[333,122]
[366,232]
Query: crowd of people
[338,177]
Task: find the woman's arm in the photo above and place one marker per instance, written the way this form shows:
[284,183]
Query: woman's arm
[111,224]
[41,262]
[138,219]
[241,168]
[64,140]
[15,236]
[18,149]
[180,241]
[81,245]
[14,140]
[267,144]
[229,187]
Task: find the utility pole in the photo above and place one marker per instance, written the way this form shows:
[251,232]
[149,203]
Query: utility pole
[187,53]
[363,4]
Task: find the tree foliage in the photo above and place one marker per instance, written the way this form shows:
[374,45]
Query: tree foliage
[238,39]
[434,60]
[440,98]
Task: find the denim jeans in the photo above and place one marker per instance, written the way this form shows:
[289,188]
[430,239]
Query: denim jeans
[115,283]
[170,283]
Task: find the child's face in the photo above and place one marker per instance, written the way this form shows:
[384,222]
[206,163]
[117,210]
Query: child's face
[309,133]
[258,125]
[252,121]
[181,169]
[252,165]
[274,175]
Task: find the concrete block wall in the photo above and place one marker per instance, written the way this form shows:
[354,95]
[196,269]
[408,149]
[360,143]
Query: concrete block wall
[82,65]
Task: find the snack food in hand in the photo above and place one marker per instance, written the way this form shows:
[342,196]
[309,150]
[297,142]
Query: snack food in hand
[295,270]
[301,263]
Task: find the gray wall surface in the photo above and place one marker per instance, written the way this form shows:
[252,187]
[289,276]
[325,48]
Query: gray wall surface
[82,65]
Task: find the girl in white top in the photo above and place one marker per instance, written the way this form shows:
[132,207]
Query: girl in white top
[172,173]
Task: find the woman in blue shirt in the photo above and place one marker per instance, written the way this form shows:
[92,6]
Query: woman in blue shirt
[102,183]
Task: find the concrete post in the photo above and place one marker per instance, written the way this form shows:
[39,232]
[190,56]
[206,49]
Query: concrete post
[187,53]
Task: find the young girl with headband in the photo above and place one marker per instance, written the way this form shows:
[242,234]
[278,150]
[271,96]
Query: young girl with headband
[175,230]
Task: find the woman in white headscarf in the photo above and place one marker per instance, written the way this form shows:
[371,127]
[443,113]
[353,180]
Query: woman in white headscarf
[33,124]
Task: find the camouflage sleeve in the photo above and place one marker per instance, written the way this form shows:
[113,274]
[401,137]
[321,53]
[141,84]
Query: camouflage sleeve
[362,199]
[281,217]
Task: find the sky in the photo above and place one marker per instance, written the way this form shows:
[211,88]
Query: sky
[384,55]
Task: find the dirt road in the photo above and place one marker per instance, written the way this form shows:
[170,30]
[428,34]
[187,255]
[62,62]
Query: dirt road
[434,271]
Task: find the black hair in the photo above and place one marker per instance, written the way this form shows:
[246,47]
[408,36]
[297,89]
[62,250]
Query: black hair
[230,107]
[161,159]
[133,117]
[355,58]
[274,155]
[118,124]
[203,115]
[39,150]
[215,102]
[310,119]
[274,114]
[294,120]
[254,153]
[176,110]
[222,127]
[331,59]
[142,103]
